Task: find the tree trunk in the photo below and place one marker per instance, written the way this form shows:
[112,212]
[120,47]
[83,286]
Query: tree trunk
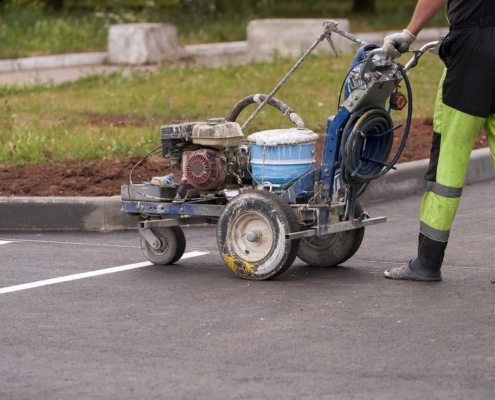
[364,6]
[55,5]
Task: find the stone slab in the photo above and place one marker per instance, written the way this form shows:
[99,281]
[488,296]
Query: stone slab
[138,44]
[268,38]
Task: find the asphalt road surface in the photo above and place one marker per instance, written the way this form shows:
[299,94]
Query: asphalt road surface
[195,330]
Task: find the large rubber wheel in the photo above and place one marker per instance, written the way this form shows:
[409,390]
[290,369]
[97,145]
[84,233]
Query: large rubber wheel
[173,245]
[251,235]
[334,249]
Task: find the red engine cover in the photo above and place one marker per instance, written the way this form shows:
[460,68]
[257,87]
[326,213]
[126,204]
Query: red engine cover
[205,169]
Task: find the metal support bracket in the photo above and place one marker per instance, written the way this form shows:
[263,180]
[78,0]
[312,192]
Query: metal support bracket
[165,223]
[151,238]
[338,227]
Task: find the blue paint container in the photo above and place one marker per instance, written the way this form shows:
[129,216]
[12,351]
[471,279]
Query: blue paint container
[281,156]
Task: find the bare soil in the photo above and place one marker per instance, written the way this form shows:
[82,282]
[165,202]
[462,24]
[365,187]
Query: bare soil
[104,178]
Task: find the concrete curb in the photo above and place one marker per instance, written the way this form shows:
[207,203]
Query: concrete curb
[408,179]
[210,49]
[64,213]
[197,51]
[103,213]
[57,61]
[201,52]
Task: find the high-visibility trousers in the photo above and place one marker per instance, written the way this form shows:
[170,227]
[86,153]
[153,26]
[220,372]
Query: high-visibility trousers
[464,105]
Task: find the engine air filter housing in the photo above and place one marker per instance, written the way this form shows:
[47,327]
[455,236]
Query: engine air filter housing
[217,133]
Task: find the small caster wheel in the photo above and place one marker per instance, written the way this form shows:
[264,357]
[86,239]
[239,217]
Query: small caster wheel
[334,249]
[172,245]
[251,235]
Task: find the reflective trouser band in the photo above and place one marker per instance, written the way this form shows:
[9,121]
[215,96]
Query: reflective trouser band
[432,233]
[443,190]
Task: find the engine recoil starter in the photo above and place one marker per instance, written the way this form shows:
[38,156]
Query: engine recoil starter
[206,169]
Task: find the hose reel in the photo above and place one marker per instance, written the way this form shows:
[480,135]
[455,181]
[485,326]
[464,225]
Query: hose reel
[367,141]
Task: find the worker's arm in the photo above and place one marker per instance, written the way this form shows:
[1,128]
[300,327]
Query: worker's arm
[396,44]
[425,10]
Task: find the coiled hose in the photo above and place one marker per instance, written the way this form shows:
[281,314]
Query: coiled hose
[367,141]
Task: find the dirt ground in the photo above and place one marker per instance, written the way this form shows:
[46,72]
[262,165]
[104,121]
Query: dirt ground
[104,178]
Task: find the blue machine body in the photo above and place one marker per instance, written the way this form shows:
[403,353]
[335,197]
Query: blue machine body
[283,163]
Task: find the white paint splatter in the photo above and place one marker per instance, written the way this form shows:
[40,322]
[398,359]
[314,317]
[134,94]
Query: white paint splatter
[277,137]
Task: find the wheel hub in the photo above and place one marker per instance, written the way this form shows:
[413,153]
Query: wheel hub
[251,236]
[254,236]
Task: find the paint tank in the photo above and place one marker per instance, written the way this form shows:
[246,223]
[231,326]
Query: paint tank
[281,156]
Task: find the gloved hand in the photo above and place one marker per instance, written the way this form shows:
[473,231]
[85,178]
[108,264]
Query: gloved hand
[396,44]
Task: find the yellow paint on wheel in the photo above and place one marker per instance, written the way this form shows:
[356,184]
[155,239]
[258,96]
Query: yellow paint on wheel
[240,267]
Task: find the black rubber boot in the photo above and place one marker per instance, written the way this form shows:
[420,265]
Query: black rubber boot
[426,267]
[405,273]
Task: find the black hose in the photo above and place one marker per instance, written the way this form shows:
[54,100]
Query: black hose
[246,101]
[367,141]
[366,145]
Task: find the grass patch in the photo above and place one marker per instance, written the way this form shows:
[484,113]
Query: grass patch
[28,29]
[109,117]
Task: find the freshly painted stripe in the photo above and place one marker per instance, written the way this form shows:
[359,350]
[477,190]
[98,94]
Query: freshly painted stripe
[443,190]
[4,242]
[70,243]
[89,274]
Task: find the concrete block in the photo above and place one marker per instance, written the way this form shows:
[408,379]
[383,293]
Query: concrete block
[291,38]
[139,44]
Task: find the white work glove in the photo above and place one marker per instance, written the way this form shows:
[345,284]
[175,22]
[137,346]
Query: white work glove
[397,43]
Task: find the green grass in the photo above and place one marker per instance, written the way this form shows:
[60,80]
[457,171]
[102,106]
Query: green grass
[41,124]
[26,29]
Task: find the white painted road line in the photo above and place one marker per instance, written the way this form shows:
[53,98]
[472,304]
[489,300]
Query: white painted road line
[4,242]
[90,274]
[68,243]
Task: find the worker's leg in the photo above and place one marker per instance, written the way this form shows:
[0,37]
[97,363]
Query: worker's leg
[465,100]
[454,139]
[454,136]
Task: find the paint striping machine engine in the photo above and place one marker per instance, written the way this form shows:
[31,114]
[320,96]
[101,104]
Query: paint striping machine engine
[268,199]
